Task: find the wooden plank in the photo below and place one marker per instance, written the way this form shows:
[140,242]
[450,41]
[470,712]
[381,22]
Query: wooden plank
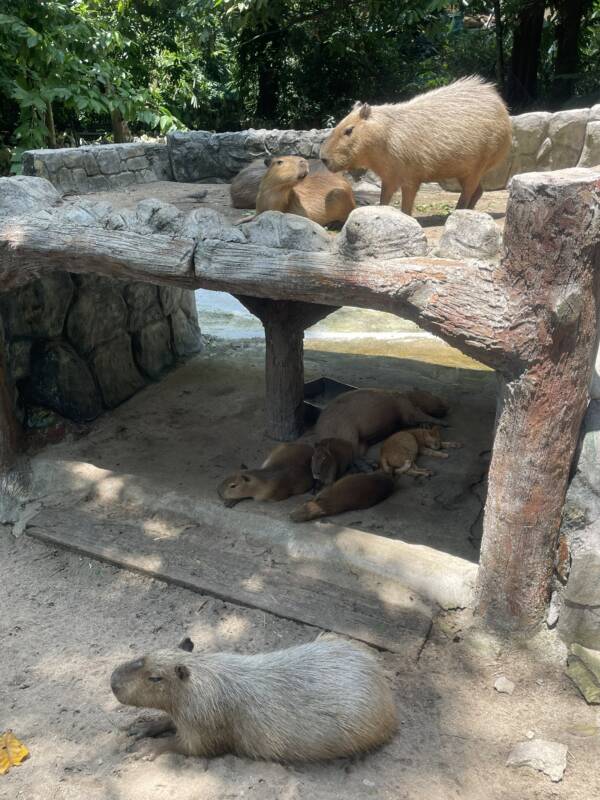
[243,572]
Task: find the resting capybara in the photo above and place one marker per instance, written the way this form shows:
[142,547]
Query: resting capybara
[331,459]
[350,493]
[399,452]
[363,416]
[286,186]
[325,699]
[244,187]
[459,131]
[285,472]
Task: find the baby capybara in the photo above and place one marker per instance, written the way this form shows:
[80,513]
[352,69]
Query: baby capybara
[321,700]
[459,131]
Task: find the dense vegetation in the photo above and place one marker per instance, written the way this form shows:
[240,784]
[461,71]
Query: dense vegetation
[78,70]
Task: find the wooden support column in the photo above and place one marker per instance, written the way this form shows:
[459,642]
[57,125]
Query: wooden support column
[551,271]
[284,322]
[10,429]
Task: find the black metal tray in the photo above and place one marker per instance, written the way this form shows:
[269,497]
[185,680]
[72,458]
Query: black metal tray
[320,392]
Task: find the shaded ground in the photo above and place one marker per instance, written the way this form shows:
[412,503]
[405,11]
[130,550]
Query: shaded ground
[67,621]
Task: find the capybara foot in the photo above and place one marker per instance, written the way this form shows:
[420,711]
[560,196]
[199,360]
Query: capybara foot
[310,510]
[427,451]
[452,445]
[146,727]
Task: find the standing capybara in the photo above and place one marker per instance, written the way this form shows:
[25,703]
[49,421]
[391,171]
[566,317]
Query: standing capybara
[459,131]
[350,493]
[363,416]
[325,699]
[286,186]
[285,472]
[244,187]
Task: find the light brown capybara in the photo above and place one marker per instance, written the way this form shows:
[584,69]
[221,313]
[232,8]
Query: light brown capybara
[331,459]
[399,451]
[459,131]
[350,493]
[244,187]
[324,699]
[286,186]
[286,472]
[363,416]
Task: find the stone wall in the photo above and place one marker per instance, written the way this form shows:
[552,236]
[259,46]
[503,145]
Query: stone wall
[79,344]
[98,168]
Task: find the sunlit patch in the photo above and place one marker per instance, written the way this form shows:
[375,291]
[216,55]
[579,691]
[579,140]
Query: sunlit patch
[254,584]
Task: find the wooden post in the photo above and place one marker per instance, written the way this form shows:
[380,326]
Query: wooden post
[10,429]
[284,323]
[551,272]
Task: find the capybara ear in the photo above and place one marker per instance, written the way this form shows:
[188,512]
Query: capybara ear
[186,644]
[268,161]
[365,111]
[182,672]
[245,478]
[357,105]
[243,466]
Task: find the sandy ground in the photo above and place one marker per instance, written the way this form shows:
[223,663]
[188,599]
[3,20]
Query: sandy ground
[67,621]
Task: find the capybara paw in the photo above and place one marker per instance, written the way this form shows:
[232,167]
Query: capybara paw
[146,727]
[452,445]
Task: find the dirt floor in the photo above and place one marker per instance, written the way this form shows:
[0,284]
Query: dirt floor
[67,621]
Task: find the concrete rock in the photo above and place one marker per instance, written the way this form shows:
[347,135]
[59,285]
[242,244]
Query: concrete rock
[584,680]
[379,230]
[115,370]
[469,234]
[547,757]
[529,132]
[186,334]
[584,491]
[287,231]
[142,301]
[580,616]
[95,317]
[566,129]
[590,155]
[188,304]
[21,194]
[107,158]
[152,348]
[208,223]
[504,685]
[170,298]
[38,309]
[62,381]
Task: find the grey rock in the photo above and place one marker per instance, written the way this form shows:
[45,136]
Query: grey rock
[98,183]
[208,224]
[580,615]
[469,234]
[554,609]
[567,131]
[590,155]
[542,755]
[529,131]
[96,316]
[142,301]
[377,230]
[157,217]
[141,162]
[61,380]
[89,163]
[39,308]
[583,668]
[504,685]
[186,334]
[188,304]
[19,359]
[584,491]
[108,159]
[24,195]
[115,370]
[170,298]
[89,213]
[287,231]
[152,348]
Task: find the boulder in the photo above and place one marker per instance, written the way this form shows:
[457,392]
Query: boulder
[287,231]
[580,615]
[38,309]
[62,381]
[584,490]
[96,316]
[115,370]
[170,298]
[469,234]
[188,304]
[544,756]
[152,348]
[567,130]
[142,301]
[373,231]
[21,194]
[590,155]
[529,133]
[206,224]
[186,334]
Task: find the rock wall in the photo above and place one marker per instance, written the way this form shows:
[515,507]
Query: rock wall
[98,168]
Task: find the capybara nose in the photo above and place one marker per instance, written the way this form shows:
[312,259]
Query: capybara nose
[325,161]
[114,682]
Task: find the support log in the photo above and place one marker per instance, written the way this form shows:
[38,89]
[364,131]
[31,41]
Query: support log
[10,429]
[284,324]
[551,272]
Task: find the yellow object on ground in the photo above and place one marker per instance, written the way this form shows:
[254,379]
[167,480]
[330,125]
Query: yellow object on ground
[12,752]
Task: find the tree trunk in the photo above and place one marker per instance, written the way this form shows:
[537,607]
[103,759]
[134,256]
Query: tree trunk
[525,54]
[50,125]
[10,430]
[549,264]
[499,46]
[119,127]
[570,17]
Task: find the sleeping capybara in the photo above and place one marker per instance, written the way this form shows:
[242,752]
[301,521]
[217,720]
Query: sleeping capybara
[321,700]
[350,493]
[331,459]
[459,131]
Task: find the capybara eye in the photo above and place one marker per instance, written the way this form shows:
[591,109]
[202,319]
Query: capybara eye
[349,130]
[232,485]
[154,678]
[280,161]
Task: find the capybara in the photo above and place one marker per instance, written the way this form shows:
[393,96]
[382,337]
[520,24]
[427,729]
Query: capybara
[428,402]
[363,416]
[321,700]
[331,459]
[350,493]
[285,472]
[244,187]
[459,131]
[399,452]
[286,186]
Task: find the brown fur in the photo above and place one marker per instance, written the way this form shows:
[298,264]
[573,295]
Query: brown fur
[399,452]
[324,198]
[429,403]
[331,459]
[244,187]
[319,700]
[350,493]
[459,131]
[285,472]
[363,416]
